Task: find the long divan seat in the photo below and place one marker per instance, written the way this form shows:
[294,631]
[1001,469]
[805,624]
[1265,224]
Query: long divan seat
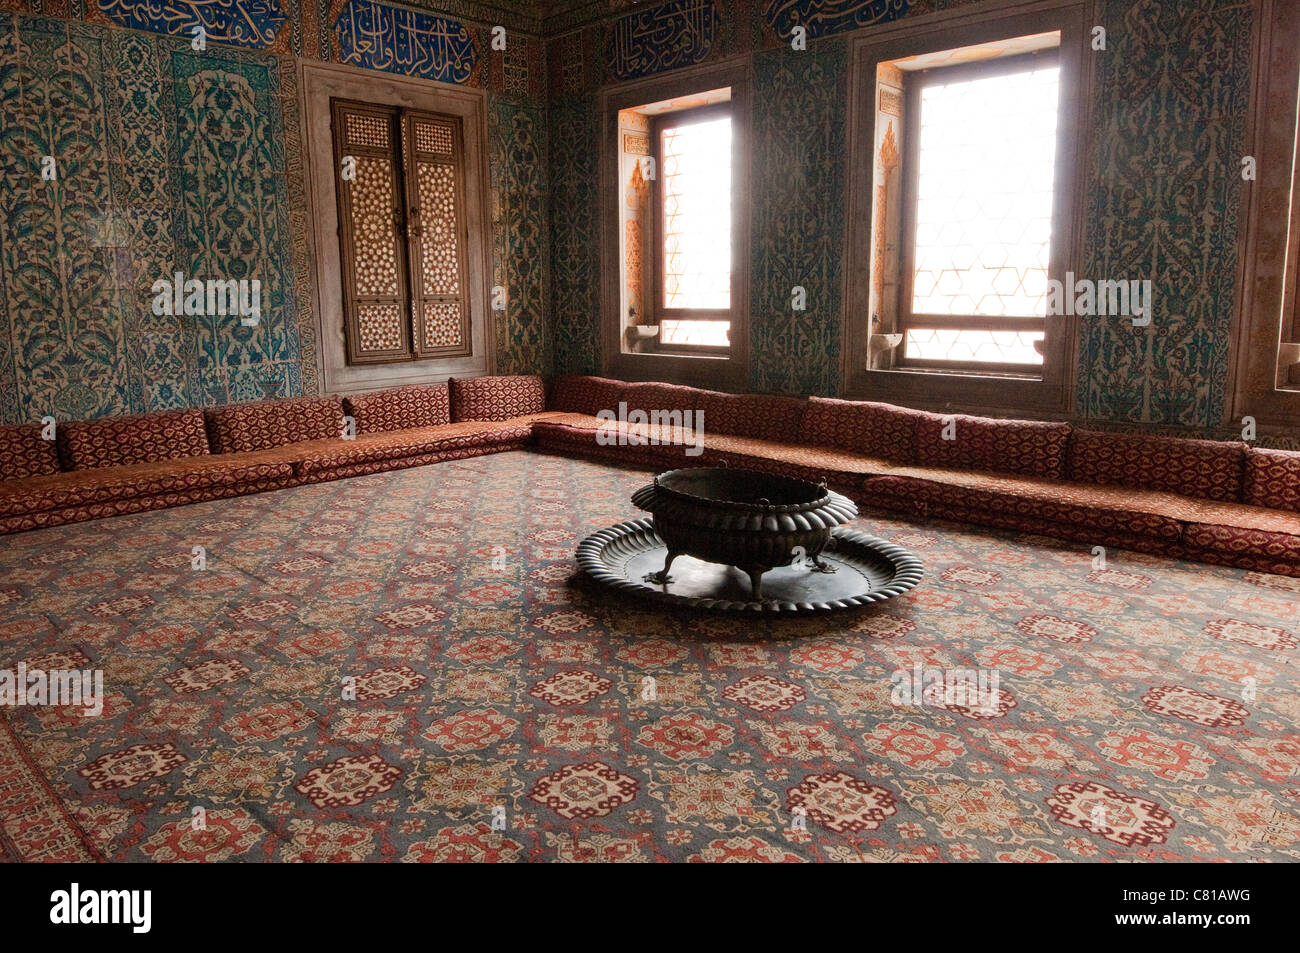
[1264,532]
[1026,502]
[117,465]
[650,444]
[1220,502]
[58,491]
[110,491]
[1239,528]
[840,469]
[123,465]
[758,431]
[421,424]
[668,446]
[374,453]
[390,429]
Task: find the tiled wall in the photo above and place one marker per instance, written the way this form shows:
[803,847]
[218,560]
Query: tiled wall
[171,159]
[174,159]
[148,138]
[1170,98]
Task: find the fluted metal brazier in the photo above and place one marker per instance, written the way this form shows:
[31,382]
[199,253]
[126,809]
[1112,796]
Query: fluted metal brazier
[753,521]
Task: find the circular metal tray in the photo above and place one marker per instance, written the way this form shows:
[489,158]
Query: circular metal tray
[868,570]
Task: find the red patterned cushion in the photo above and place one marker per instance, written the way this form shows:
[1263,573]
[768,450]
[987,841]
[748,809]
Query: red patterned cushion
[24,454]
[1025,447]
[136,504]
[661,404]
[576,394]
[122,441]
[984,498]
[836,467]
[761,416]
[1204,468]
[410,443]
[627,444]
[1235,540]
[400,408]
[345,470]
[874,429]
[1273,478]
[105,484]
[664,398]
[497,398]
[1272,565]
[240,428]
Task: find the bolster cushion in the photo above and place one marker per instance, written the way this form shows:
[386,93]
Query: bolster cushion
[243,428]
[580,394]
[1273,479]
[400,408]
[24,454]
[141,438]
[877,430]
[1024,447]
[497,398]
[761,416]
[1208,469]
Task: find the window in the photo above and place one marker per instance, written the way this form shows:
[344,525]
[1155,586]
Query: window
[1266,338]
[1288,362]
[981,146]
[402,232]
[693,227]
[967,142]
[675,227]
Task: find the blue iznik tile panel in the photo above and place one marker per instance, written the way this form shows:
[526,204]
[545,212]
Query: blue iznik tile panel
[251,23]
[827,17]
[168,160]
[575,225]
[1172,99]
[797,233]
[665,37]
[401,40]
[521,241]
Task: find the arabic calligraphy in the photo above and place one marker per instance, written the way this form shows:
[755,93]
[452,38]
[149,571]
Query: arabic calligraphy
[251,23]
[825,17]
[667,37]
[399,40]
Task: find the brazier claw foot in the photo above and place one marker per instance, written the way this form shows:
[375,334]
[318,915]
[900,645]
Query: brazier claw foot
[821,565]
[661,578]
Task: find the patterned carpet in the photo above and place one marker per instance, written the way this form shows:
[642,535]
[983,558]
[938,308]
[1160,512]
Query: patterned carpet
[1147,710]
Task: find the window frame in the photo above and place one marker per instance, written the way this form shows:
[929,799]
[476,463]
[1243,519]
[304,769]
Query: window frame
[392,117]
[908,319]
[421,302]
[318,84]
[411,300]
[661,312]
[1049,389]
[729,369]
[1266,326]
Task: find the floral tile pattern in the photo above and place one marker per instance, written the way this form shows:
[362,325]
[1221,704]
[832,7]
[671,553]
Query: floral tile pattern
[402,667]
[166,160]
